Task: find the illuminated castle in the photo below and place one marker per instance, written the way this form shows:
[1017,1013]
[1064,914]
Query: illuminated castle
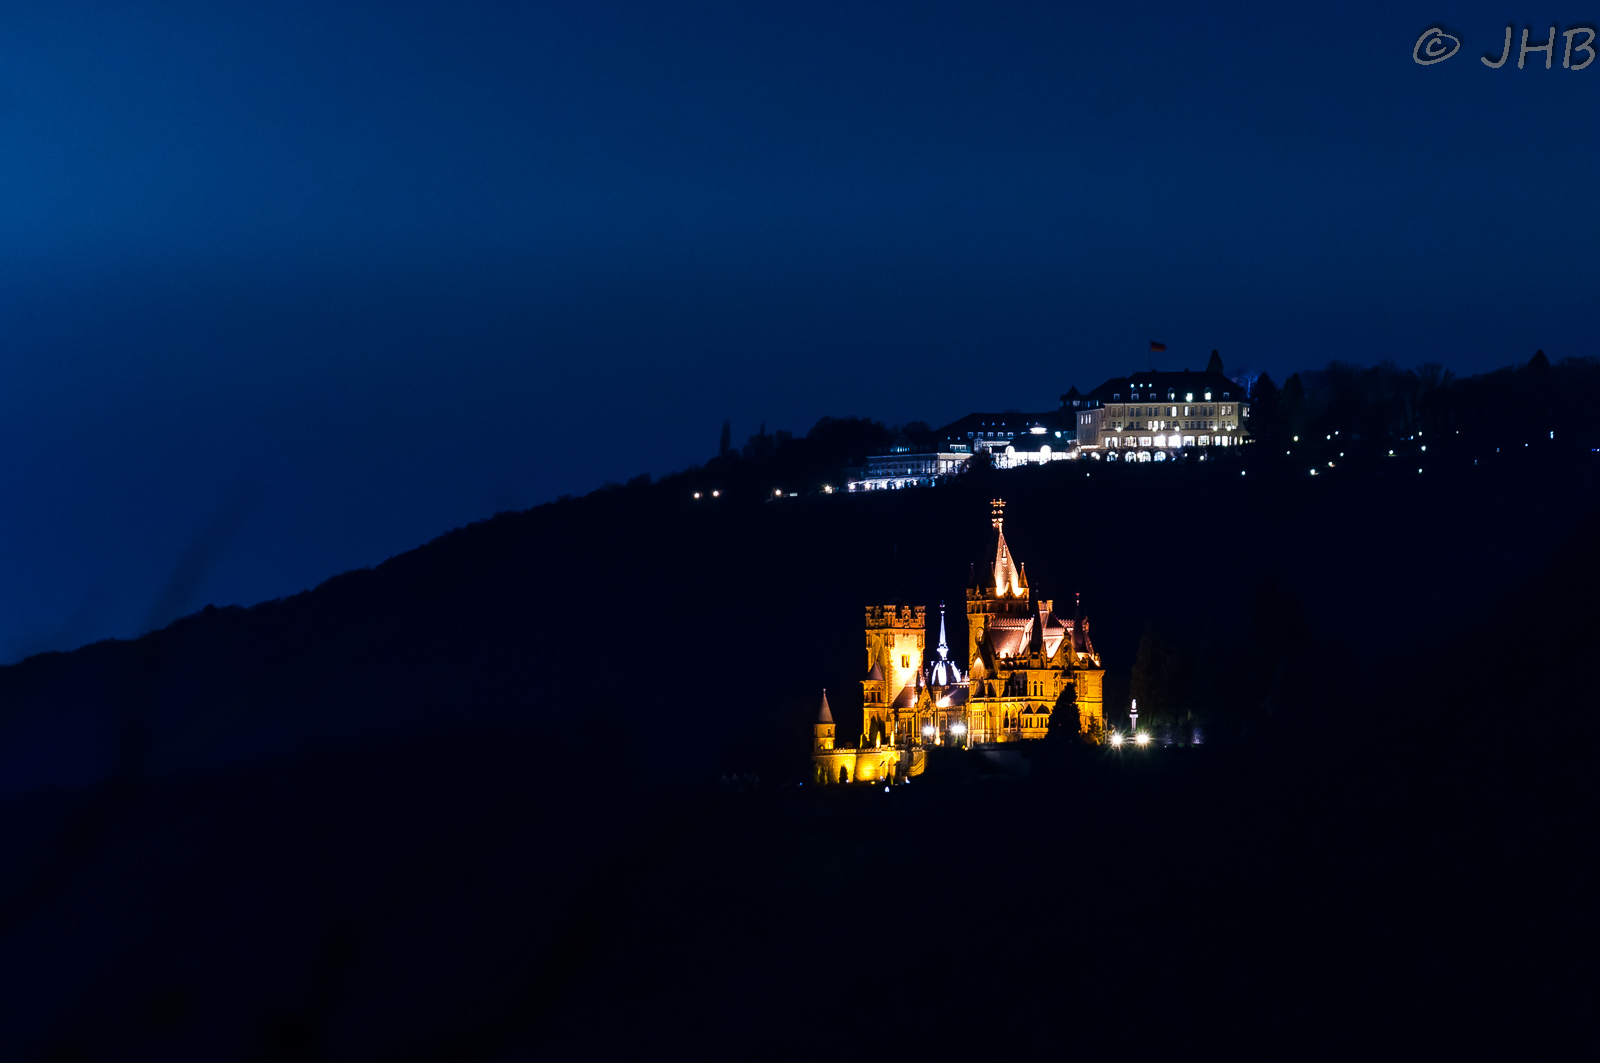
[1021,658]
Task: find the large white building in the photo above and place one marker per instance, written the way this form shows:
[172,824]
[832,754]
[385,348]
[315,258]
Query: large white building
[1154,416]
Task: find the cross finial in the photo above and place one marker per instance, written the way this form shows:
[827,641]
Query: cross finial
[998,507]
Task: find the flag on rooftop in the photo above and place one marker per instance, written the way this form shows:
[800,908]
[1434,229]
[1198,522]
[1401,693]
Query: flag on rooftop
[1154,346]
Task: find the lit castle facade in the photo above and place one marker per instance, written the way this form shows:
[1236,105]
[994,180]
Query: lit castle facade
[1021,658]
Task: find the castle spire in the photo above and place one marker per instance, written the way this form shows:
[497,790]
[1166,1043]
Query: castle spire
[1005,569]
[825,716]
[943,648]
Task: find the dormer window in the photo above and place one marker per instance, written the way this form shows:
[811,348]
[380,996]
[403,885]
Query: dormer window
[1227,395]
[1188,396]
[1116,396]
[1172,393]
[1208,396]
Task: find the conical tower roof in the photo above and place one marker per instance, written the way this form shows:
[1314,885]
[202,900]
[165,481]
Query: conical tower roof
[1006,578]
[826,715]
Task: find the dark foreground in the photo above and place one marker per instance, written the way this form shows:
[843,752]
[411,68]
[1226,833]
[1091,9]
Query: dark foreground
[474,899]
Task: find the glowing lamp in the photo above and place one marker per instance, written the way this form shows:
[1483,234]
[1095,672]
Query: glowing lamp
[958,728]
[1116,740]
[777,494]
[929,731]
[697,494]
[716,494]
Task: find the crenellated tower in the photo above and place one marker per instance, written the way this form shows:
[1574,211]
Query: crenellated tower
[895,635]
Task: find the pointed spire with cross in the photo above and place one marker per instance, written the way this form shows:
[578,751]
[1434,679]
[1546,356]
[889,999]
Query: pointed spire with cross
[1006,579]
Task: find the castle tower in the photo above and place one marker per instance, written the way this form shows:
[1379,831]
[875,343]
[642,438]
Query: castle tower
[822,730]
[1007,579]
[895,637]
[1003,593]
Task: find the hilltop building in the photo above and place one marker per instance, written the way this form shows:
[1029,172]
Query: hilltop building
[1012,440]
[1021,657]
[908,462]
[1155,415]
[1150,416]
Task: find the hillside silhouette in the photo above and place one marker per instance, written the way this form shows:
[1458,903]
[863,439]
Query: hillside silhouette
[457,805]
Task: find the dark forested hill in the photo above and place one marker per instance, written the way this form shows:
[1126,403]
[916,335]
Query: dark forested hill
[278,830]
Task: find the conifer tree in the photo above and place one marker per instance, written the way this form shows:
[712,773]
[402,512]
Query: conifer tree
[1063,736]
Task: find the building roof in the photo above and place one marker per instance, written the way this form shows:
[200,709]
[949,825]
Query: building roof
[1080,637]
[1035,442]
[1052,632]
[1010,636]
[1155,384]
[1004,425]
[1006,577]
[825,716]
[906,698]
[877,671]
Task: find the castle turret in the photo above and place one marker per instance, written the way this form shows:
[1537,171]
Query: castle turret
[894,637]
[823,728]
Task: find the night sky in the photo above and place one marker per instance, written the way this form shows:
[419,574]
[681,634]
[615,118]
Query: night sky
[288,289]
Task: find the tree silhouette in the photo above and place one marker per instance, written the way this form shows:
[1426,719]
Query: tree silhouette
[1158,679]
[1063,733]
[1292,402]
[1266,412]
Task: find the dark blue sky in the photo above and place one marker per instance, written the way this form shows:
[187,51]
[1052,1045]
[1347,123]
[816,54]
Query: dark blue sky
[289,289]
